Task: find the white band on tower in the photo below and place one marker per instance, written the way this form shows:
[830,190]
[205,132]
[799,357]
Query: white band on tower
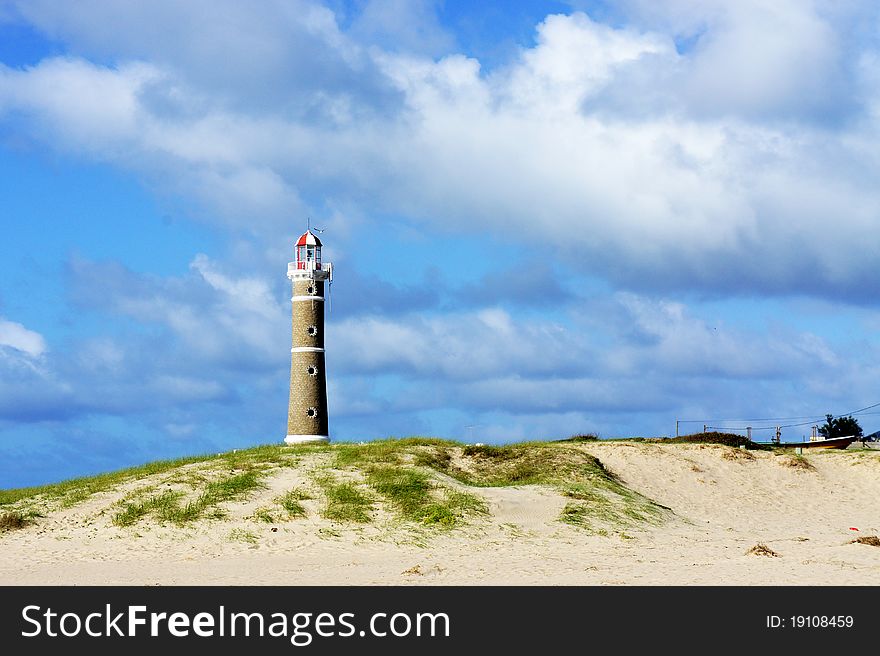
[306,439]
[306,349]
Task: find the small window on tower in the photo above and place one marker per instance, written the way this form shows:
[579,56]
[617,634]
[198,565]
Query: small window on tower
[312,412]
[311,290]
[312,331]
[313,371]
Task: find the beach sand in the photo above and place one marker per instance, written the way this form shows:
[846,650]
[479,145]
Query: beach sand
[723,502]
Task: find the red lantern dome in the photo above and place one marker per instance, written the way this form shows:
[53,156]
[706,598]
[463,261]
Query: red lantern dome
[308,251]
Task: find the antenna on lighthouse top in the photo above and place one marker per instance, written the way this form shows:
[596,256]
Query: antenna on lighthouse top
[329,269]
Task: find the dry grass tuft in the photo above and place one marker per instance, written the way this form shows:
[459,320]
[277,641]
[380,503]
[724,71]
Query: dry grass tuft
[797,462]
[11,521]
[737,454]
[871,540]
[761,549]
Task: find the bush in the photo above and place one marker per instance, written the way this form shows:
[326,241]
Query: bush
[840,427]
[728,439]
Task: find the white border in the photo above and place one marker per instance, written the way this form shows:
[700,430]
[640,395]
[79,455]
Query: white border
[306,439]
[306,349]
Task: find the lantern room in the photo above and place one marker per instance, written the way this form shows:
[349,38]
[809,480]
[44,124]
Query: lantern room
[308,252]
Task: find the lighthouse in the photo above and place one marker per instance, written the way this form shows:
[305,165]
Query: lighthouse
[307,408]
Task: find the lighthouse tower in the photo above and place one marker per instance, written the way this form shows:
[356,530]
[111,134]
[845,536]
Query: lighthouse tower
[307,409]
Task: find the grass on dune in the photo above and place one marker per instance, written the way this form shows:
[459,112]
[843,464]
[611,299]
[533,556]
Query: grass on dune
[258,457]
[287,506]
[70,492]
[290,502]
[344,502]
[391,469]
[399,470]
[392,451]
[417,498]
[406,474]
[598,498]
[167,506]
[163,505]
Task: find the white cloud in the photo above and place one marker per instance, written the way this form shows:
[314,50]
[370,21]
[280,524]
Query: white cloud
[628,337]
[744,163]
[79,105]
[240,53]
[403,25]
[16,336]
[573,59]
[669,339]
[654,169]
[29,388]
[456,346]
[220,320]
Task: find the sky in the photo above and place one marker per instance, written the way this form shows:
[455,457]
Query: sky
[545,219]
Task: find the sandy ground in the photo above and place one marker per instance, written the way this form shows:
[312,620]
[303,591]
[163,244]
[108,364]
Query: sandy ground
[724,502]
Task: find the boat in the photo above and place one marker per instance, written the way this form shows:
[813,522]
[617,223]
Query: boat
[820,443]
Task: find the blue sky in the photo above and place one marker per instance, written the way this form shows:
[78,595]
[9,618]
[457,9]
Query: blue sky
[546,218]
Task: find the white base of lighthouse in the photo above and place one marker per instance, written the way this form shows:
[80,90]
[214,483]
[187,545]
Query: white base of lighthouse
[306,439]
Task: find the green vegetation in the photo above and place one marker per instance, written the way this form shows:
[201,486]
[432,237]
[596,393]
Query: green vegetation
[412,493]
[344,501]
[167,507]
[394,469]
[840,427]
[392,451]
[258,457]
[163,505]
[241,535]
[264,515]
[290,501]
[70,492]
[728,439]
[579,438]
[599,499]
[408,476]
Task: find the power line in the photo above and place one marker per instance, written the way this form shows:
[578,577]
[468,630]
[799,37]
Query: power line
[810,420]
[858,411]
[701,421]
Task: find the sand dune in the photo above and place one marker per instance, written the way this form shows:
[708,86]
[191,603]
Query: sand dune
[722,502]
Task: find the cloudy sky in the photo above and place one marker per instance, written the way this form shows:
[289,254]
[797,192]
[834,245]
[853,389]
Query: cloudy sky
[546,218]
